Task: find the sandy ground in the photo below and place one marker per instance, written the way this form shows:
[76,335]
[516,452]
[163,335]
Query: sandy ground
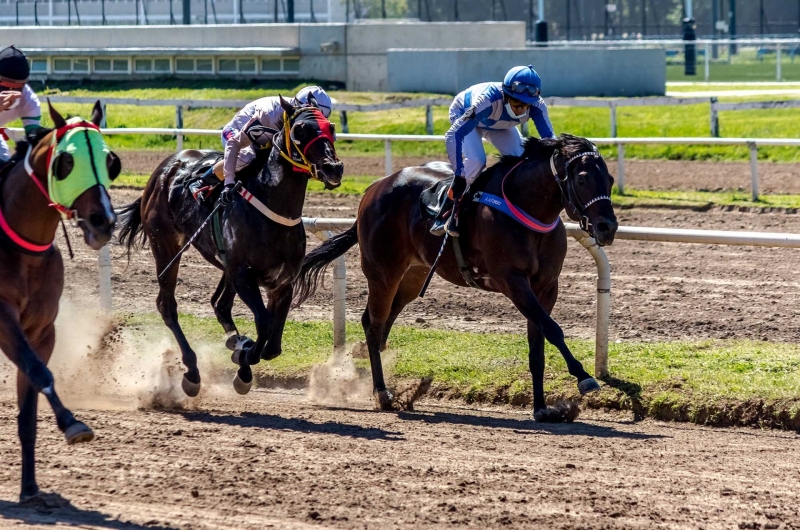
[274,460]
[661,291]
[639,174]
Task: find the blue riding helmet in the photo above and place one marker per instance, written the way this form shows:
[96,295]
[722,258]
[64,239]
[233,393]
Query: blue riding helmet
[322,98]
[523,83]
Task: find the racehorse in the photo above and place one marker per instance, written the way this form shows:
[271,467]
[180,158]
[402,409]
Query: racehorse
[62,171]
[519,253]
[260,234]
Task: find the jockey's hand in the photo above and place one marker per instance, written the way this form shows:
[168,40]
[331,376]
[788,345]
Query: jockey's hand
[458,187]
[9,99]
[227,195]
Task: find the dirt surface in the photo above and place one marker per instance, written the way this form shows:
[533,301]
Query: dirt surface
[661,291]
[274,460]
[639,174]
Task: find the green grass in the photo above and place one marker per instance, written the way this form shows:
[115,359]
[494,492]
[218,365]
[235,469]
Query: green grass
[692,120]
[483,366]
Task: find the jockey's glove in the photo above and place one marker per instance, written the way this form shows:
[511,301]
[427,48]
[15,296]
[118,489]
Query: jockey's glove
[457,188]
[227,195]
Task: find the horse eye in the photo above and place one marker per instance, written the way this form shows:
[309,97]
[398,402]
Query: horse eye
[63,165]
[582,178]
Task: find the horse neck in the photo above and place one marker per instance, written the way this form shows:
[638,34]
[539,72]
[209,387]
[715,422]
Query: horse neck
[24,207]
[285,194]
[534,189]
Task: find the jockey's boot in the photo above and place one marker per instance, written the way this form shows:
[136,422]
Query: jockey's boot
[208,179]
[442,223]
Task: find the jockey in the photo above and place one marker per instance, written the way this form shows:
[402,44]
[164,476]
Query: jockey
[17,100]
[265,114]
[491,111]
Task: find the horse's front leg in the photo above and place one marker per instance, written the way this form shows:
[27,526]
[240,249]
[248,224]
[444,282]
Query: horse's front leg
[34,377]
[245,282]
[278,304]
[516,286]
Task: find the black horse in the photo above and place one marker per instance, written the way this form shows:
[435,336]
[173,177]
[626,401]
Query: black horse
[501,254]
[262,246]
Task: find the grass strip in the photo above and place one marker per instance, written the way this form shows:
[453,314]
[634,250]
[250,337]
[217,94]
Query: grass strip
[711,382]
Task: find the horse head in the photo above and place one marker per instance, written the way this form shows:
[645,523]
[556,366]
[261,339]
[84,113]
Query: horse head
[585,187]
[308,143]
[74,167]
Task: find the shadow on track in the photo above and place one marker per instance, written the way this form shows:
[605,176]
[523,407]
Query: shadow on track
[524,425]
[279,423]
[55,510]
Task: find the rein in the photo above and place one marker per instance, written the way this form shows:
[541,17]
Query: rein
[569,192]
[305,165]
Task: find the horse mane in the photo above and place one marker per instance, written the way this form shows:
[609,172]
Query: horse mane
[31,139]
[543,148]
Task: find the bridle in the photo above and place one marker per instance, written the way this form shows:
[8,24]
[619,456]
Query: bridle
[568,188]
[293,152]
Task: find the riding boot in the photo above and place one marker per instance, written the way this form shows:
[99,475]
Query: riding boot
[208,179]
[442,222]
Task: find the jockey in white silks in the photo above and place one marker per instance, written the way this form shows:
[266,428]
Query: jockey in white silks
[491,111]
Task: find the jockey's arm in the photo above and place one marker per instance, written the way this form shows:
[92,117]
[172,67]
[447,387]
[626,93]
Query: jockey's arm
[541,119]
[235,141]
[454,138]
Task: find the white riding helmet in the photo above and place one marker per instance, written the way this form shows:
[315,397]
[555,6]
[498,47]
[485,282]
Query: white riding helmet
[322,98]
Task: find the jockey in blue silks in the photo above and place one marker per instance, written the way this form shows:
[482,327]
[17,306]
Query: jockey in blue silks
[491,111]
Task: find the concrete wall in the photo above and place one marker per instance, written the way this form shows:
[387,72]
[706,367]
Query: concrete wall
[569,73]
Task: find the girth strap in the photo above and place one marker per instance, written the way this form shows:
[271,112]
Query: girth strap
[462,263]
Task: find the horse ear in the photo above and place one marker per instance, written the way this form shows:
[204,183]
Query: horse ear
[97,113]
[58,120]
[286,105]
[312,100]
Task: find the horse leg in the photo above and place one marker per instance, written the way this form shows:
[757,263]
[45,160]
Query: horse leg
[407,292]
[246,285]
[280,300]
[517,287]
[33,377]
[222,302]
[168,308]
[379,305]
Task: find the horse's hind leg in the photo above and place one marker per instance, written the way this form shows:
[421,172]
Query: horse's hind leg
[379,307]
[407,292]
[164,250]
[222,302]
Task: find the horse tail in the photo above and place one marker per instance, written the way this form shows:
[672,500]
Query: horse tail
[316,261]
[130,219]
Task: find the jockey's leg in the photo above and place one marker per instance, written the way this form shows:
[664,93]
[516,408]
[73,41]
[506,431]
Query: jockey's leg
[5,152]
[507,141]
[474,162]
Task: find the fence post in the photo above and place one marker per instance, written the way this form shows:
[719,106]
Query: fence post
[603,305]
[621,168]
[707,63]
[343,121]
[778,62]
[388,160]
[429,120]
[613,108]
[339,302]
[104,121]
[104,269]
[179,125]
[714,119]
[753,170]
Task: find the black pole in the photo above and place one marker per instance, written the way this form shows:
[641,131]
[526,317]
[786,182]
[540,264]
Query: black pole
[136,6]
[187,12]
[16,5]
[205,11]
[35,12]
[275,13]
[605,21]
[311,11]
[171,17]
[732,27]
[103,11]
[77,13]
[383,8]
[241,12]
[455,10]
[569,18]
[290,11]
[69,13]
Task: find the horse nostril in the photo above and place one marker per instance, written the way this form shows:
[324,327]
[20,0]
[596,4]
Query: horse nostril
[603,226]
[97,220]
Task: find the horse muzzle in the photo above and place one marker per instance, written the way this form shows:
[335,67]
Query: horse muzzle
[604,230]
[331,174]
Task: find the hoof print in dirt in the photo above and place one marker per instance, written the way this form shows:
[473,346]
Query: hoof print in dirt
[360,350]
[384,400]
[562,412]
[409,393]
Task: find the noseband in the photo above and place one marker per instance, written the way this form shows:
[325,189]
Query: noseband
[568,189]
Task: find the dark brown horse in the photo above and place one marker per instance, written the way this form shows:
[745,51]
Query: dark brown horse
[260,251]
[503,255]
[31,268]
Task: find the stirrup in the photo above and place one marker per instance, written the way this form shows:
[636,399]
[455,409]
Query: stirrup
[451,227]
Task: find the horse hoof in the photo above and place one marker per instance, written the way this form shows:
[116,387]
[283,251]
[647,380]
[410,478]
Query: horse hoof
[384,400]
[78,433]
[189,388]
[238,342]
[588,385]
[235,356]
[240,386]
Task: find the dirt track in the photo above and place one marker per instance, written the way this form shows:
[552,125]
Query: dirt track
[276,461]
[660,291]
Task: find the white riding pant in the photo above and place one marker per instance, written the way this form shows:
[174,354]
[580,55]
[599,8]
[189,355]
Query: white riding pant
[5,152]
[507,141]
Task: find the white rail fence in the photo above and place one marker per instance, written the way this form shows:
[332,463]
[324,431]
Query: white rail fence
[620,143]
[611,104]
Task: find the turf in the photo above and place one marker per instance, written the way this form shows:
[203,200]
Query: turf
[651,377]
[690,120]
